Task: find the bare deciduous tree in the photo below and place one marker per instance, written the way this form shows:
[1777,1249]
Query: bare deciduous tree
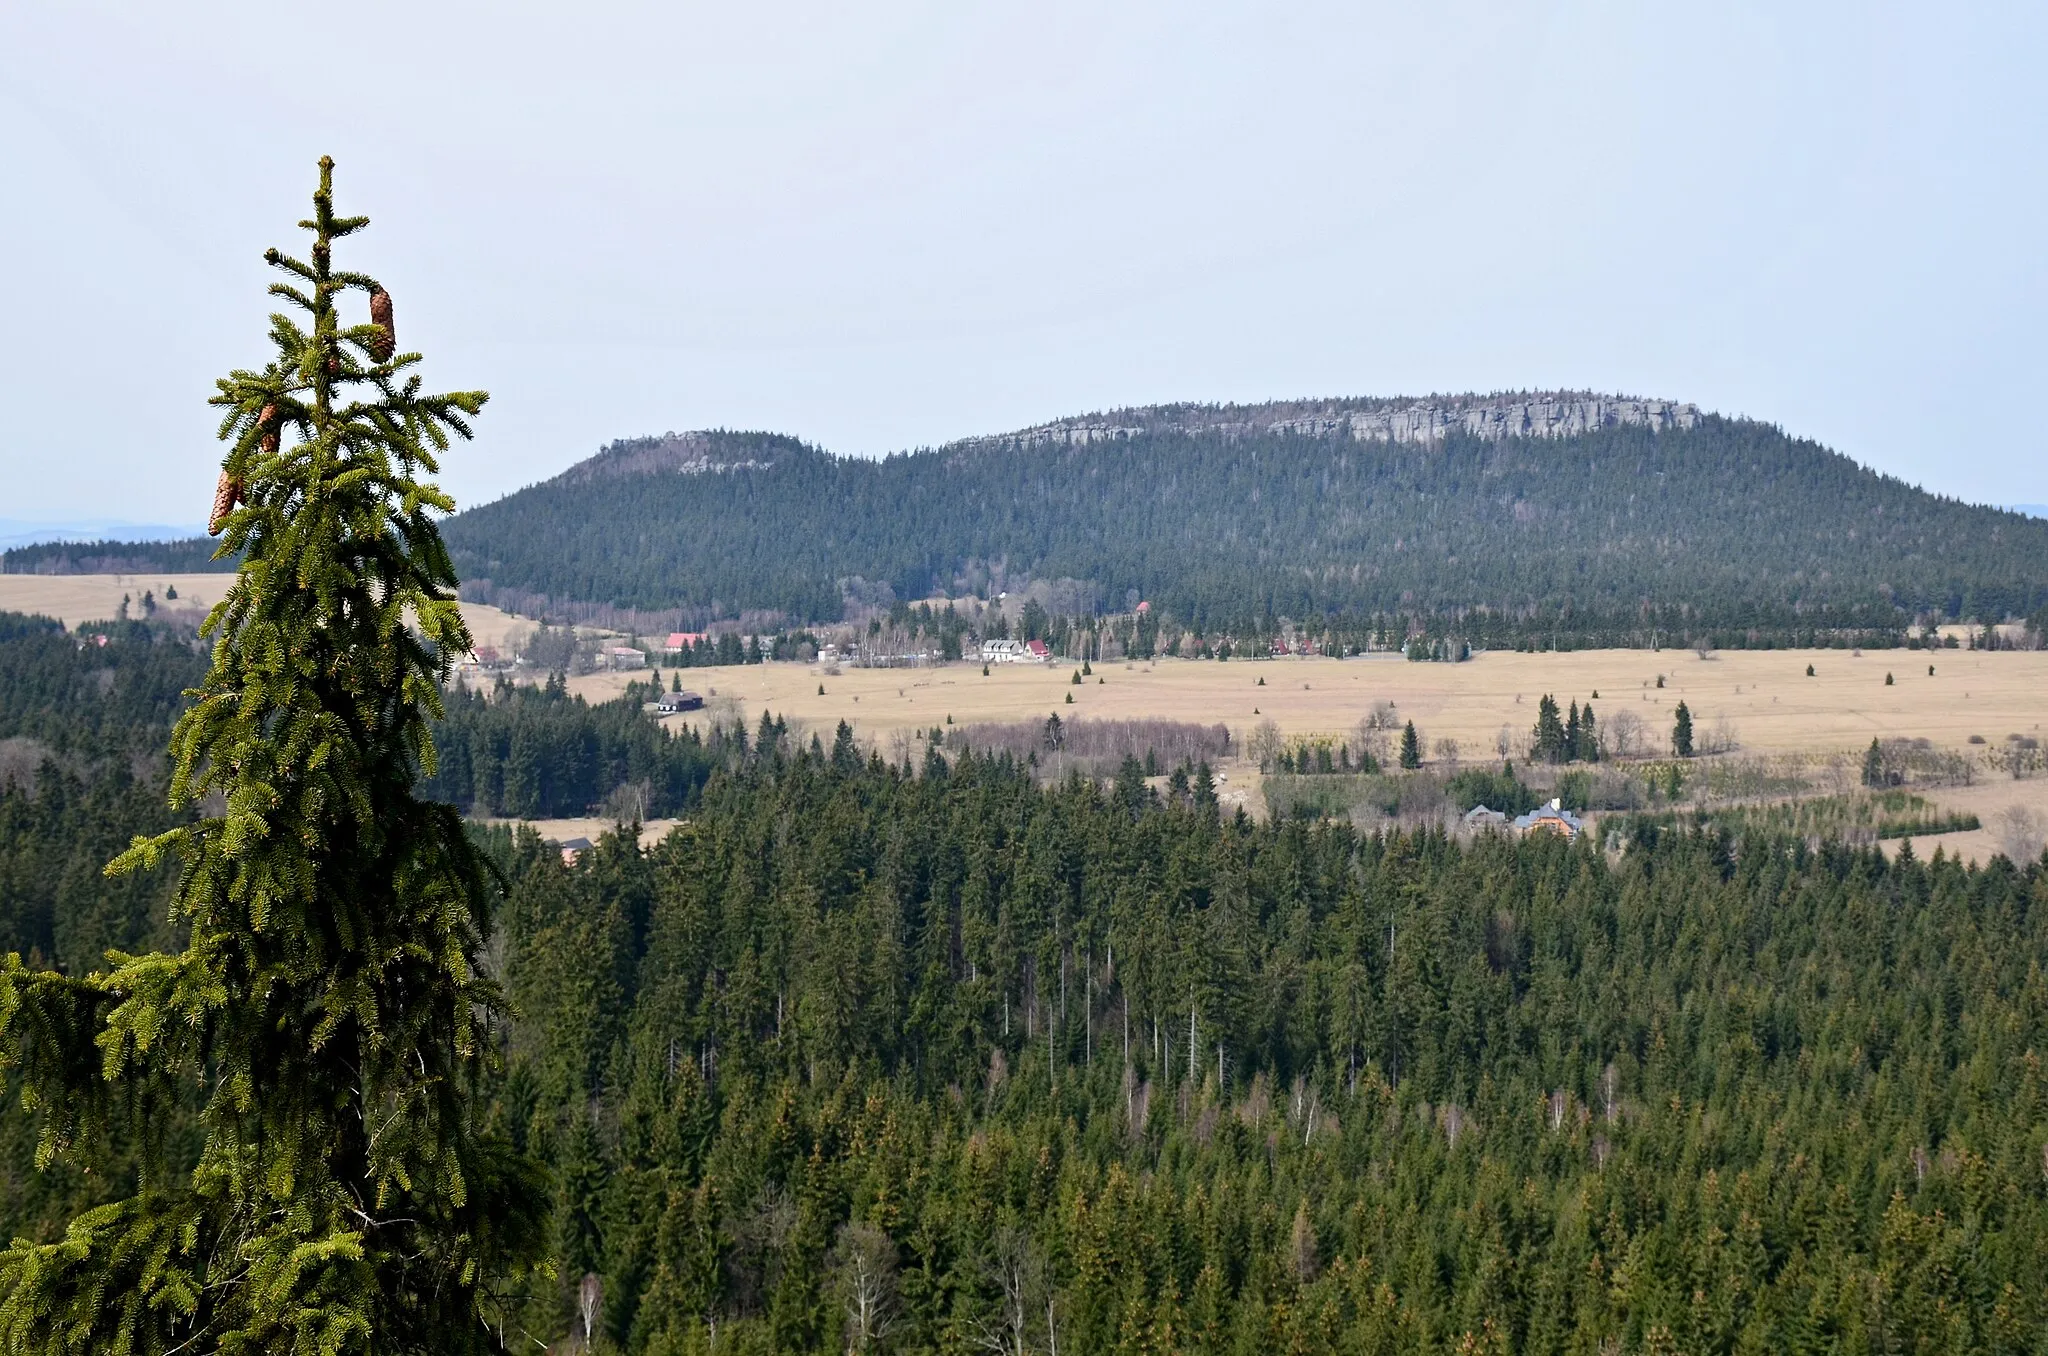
[1624,734]
[864,1260]
[628,802]
[1375,731]
[1262,745]
[1016,1273]
[2022,830]
[589,1307]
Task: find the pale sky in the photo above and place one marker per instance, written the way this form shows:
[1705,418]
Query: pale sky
[884,225]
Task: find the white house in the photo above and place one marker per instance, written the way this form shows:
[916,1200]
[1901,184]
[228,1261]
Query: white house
[1015,652]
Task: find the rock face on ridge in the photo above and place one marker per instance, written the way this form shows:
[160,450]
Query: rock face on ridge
[694,453]
[1559,414]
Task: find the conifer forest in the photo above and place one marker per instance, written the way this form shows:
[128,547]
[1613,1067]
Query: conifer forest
[305,1050]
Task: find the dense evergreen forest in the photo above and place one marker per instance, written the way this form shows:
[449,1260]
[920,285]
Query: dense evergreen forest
[193,555]
[941,1058]
[1731,523]
[971,1063]
[1724,533]
[82,770]
[539,753]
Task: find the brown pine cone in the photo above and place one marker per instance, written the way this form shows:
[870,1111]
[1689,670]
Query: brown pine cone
[267,422]
[226,491]
[382,347]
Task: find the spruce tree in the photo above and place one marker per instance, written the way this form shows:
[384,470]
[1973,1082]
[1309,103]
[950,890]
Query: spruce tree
[1681,732]
[1550,735]
[329,1020]
[1411,747]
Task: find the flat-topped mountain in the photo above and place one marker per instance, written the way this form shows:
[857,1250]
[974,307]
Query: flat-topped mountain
[1606,510]
[1606,519]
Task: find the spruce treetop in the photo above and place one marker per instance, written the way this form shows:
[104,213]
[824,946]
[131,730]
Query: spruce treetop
[328,1018]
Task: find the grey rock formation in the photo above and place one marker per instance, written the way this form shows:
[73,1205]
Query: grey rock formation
[1559,414]
[684,453]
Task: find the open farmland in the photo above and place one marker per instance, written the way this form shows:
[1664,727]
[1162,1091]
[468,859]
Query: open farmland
[1763,699]
[1765,696]
[76,599]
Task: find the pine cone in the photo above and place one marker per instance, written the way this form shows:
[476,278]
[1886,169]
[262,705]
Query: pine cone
[226,492]
[382,347]
[267,422]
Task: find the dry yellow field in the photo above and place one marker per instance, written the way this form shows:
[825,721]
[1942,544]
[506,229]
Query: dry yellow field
[1765,695]
[78,598]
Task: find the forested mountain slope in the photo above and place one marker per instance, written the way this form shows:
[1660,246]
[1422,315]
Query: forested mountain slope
[1224,515]
[1607,513]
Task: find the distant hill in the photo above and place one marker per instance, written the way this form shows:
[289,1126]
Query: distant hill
[1606,517]
[24,532]
[1567,504]
[183,555]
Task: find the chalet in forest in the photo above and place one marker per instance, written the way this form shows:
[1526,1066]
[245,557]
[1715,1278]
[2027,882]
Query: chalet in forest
[572,848]
[1551,818]
[672,702]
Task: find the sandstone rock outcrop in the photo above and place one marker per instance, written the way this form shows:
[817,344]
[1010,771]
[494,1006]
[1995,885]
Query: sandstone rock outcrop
[1560,414]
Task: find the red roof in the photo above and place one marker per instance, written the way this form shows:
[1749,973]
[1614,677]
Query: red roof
[1037,647]
[678,640]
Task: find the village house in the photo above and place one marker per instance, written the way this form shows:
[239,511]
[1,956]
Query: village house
[679,641]
[572,848]
[1551,818]
[624,657]
[1479,817]
[1015,652]
[670,703]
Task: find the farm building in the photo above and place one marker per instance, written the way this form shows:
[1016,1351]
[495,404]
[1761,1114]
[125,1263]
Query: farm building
[572,848]
[672,702]
[679,641]
[1479,817]
[624,657]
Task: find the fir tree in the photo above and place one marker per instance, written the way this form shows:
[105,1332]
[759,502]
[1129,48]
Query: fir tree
[329,1013]
[1681,732]
[1411,747]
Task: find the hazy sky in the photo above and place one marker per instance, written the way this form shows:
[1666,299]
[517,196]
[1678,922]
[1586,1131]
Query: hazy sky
[885,225]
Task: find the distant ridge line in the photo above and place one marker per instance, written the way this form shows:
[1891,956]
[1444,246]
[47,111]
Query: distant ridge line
[1397,419]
